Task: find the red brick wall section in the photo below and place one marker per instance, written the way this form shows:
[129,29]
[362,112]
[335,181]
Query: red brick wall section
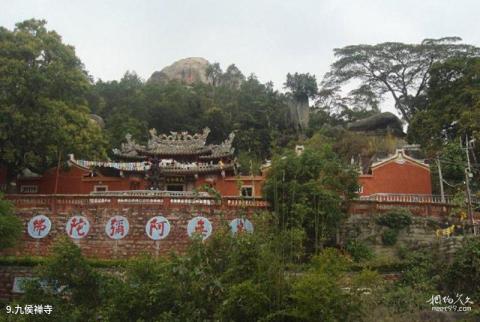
[98,245]
[393,177]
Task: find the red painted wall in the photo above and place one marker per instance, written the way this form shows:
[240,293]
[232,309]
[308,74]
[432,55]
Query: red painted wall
[229,186]
[393,177]
[76,180]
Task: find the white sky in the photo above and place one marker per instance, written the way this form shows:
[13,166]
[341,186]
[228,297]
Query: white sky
[265,37]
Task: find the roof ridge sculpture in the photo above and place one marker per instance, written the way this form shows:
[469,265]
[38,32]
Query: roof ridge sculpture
[176,143]
[129,148]
[177,138]
[223,149]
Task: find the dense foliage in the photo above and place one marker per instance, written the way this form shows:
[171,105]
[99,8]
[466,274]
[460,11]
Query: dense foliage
[44,113]
[10,226]
[311,191]
[248,278]
[453,109]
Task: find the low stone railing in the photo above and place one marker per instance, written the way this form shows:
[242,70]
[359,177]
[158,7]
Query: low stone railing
[412,198]
[116,199]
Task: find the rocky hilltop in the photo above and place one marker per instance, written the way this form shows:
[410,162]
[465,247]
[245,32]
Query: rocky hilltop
[188,70]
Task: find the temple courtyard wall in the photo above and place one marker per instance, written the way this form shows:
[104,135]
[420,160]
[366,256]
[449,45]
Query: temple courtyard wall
[137,234]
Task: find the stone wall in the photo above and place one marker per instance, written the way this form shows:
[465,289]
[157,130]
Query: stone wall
[362,225]
[97,244]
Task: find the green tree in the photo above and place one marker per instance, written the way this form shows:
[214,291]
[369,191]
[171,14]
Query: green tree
[401,70]
[302,86]
[311,191]
[69,284]
[10,226]
[226,278]
[463,275]
[318,296]
[453,109]
[123,107]
[233,77]
[214,74]
[360,103]
[43,108]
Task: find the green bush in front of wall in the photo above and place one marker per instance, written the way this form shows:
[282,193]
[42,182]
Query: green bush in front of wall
[397,219]
[389,237]
[359,250]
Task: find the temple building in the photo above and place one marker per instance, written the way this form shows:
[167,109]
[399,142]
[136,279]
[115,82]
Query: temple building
[396,174]
[178,162]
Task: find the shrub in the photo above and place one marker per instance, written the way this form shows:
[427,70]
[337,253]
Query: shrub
[389,237]
[395,219]
[463,275]
[359,250]
[10,226]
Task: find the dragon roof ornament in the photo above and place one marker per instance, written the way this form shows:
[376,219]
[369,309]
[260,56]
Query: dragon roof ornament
[128,148]
[176,143]
[180,139]
[224,148]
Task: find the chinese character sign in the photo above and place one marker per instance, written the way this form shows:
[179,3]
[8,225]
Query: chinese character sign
[201,226]
[241,225]
[157,228]
[117,227]
[39,226]
[77,227]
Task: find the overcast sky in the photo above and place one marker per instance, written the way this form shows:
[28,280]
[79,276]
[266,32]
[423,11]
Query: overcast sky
[268,38]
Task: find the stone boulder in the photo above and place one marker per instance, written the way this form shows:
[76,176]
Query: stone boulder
[378,123]
[188,71]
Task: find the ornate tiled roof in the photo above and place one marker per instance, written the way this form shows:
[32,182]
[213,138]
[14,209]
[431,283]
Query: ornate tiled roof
[129,149]
[176,144]
[221,150]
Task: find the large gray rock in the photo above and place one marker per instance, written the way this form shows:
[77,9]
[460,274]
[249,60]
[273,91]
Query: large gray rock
[299,113]
[379,123]
[188,71]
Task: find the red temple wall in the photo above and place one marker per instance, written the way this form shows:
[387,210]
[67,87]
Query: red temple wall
[393,177]
[96,244]
[75,180]
[229,186]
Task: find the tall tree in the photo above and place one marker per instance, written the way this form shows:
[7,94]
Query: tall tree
[43,109]
[233,77]
[214,74]
[301,86]
[122,105]
[453,109]
[402,70]
[310,191]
